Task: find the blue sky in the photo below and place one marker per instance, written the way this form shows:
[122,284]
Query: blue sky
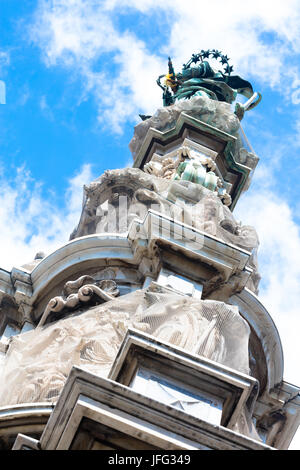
[77,74]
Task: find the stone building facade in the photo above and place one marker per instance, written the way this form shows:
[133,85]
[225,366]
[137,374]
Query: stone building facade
[145,330]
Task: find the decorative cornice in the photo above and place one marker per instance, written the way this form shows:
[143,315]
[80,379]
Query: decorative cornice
[256,314]
[224,257]
[140,414]
[184,120]
[138,248]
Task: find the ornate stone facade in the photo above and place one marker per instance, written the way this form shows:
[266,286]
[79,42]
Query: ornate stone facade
[156,249]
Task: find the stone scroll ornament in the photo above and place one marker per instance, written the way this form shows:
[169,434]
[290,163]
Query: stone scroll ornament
[201,79]
[78,292]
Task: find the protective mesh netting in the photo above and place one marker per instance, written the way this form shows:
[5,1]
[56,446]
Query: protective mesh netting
[39,361]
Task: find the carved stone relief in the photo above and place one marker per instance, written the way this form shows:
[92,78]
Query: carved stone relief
[110,206]
[81,291]
[38,361]
[189,165]
[148,191]
[214,113]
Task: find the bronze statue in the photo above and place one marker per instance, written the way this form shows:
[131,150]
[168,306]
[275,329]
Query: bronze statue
[202,80]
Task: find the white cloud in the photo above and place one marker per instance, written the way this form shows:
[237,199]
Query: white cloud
[76,33]
[30,222]
[279,260]
[4,60]
[45,109]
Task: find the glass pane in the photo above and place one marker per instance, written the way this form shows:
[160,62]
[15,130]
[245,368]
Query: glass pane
[196,403]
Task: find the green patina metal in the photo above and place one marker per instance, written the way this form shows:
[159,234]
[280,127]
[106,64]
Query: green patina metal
[238,168]
[163,138]
[193,171]
[202,79]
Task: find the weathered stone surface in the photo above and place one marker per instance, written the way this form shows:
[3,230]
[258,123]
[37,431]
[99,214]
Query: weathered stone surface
[39,361]
[118,197]
[142,192]
[84,290]
[216,113]
[37,259]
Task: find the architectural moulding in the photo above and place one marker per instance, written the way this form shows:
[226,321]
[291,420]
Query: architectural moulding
[162,142]
[225,259]
[6,285]
[165,231]
[277,415]
[28,418]
[119,408]
[277,408]
[195,374]
[136,247]
[254,312]
[133,248]
[83,290]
